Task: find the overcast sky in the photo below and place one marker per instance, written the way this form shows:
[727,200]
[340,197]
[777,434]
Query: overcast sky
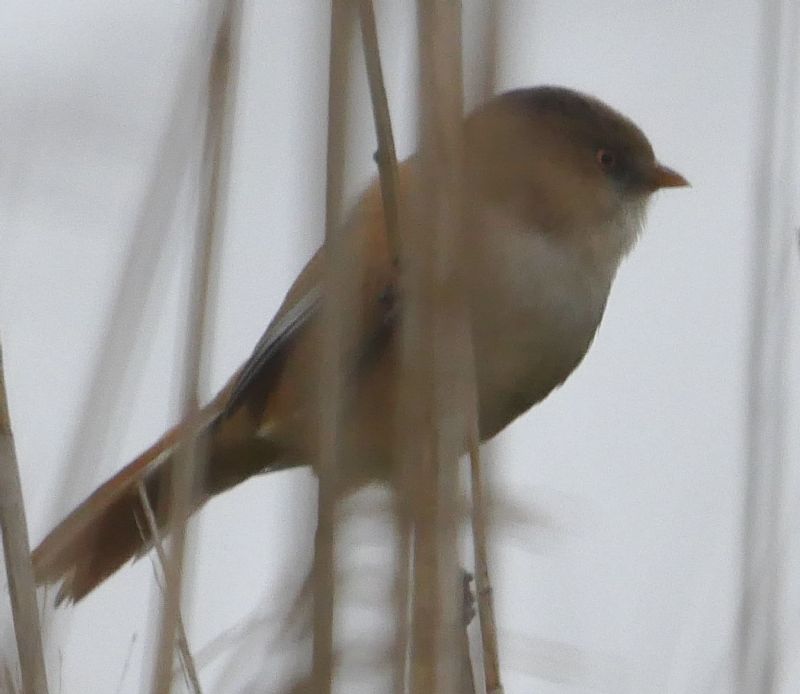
[616,565]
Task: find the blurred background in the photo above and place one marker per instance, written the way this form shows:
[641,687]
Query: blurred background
[620,500]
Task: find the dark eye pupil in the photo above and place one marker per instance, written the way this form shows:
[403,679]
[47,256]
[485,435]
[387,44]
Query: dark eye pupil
[605,158]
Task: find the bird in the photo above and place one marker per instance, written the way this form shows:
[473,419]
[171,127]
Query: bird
[558,185]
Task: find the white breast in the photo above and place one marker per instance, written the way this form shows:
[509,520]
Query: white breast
[536,304]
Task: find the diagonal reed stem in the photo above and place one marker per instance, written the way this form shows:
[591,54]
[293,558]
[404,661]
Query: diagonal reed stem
[386,155]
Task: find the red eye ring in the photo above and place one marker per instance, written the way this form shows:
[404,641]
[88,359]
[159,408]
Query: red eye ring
[606,159]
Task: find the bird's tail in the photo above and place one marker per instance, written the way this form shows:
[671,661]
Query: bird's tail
[109,528]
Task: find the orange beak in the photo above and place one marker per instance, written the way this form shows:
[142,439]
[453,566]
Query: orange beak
[664,177]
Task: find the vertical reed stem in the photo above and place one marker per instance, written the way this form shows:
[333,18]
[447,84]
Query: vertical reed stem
[16,549]
[434,353]
[337,300]
[192,455]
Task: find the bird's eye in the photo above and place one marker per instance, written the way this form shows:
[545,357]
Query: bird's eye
[606,159]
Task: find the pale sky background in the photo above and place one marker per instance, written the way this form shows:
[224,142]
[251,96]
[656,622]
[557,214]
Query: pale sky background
[623,578]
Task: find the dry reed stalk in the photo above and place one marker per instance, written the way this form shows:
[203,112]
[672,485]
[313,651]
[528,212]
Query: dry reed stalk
[757,653]
[338,299]
[16,549]
[182,640]
[192,455]
[467,684]
[483,585]
[386,157]
[434,359]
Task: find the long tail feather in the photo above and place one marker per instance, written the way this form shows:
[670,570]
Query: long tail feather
[108,529]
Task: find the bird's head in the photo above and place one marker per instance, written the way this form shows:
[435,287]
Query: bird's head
[565,164]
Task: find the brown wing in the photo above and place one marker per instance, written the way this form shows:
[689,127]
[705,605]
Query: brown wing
[106,530]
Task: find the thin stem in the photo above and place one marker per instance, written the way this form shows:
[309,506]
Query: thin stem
[181,638]
[467,675]
[192,454]
[16,548]
[483,585]
[336,302]
[390,191]
[386,155]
